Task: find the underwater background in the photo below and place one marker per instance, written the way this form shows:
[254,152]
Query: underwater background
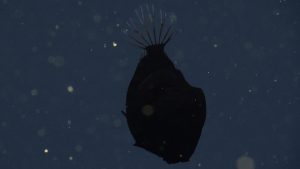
[65,67]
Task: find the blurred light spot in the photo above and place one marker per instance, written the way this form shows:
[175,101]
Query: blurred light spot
[4,152]
[248,46]
[56,27]
[70,89]
[109,30]
[49,44]
[78,148]
[41,132]
[57,61]
[215,45]
[34,49]
[69,122]
[173,18]
[97,18]
[79,3]
[147,110]
[46,151]
[114,44]
[34,92]
[245,162]
[3,124]
[23,98]
[70,158]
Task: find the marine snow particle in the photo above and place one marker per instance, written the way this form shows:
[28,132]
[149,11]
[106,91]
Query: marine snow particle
[78,148]
[56,27]
[34,92]
[114,44]
[57,61]
[41,132]
[70,89]
[97,18]
[46,151]
[245,162]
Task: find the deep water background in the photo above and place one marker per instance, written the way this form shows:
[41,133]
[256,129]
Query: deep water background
[63,83]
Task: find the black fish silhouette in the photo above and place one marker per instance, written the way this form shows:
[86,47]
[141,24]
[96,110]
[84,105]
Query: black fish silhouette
[164,113]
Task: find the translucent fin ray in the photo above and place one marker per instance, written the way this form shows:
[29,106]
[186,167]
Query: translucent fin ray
[150,26]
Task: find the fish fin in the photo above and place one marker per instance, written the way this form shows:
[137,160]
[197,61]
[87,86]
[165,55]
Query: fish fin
[150,27]
[124,113]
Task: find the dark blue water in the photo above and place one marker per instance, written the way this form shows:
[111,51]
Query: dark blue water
[65,67]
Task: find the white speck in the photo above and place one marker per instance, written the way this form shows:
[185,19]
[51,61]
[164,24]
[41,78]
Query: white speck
[70,158]
[70,89]
[277,13]
[114,44]
[199,164]
[275,80]
[105,45]
[250,90]
[46,151]
[215,45]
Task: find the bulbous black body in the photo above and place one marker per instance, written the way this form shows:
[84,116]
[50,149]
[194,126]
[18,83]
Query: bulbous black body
[164,113]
